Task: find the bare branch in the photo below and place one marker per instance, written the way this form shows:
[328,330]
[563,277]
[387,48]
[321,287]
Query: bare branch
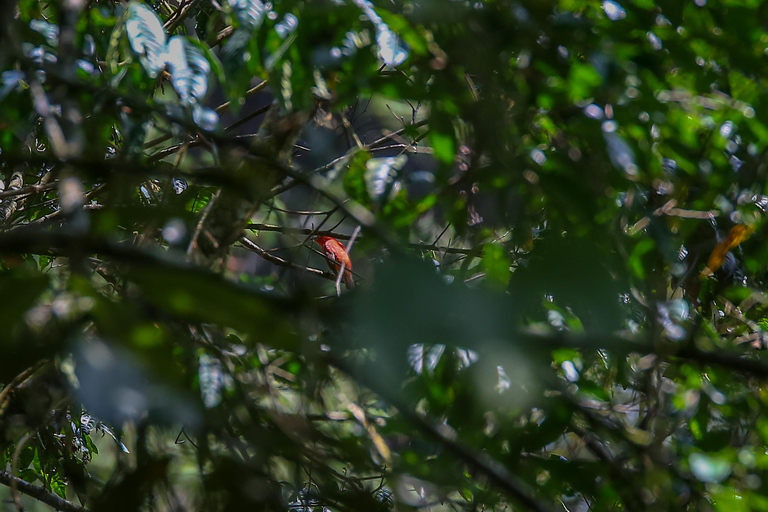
[341,236]
[253,90]
[283,262]
[344,263]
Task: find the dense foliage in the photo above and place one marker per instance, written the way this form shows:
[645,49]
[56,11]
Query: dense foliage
[555,213]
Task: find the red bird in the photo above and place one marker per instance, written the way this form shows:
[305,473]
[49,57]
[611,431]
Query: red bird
[336,255]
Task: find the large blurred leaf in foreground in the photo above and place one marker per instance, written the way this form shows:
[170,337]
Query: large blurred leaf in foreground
[22,344]
[114,387]
[206,298]
[410,304]
[577,272]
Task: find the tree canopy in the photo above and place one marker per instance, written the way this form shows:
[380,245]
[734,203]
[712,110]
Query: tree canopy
[554,212]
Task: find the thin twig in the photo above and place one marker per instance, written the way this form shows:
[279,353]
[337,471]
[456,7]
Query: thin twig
[15,469]
[283,262]
[378,142]
[253,90]
[8,388]
[341,236]
[221,108]
[198,140]
[298,212]
[343,262]
[200,224]
[246,118]
[95,190]
[223,34]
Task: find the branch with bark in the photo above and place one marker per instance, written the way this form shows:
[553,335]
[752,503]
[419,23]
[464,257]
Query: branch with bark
[39,493]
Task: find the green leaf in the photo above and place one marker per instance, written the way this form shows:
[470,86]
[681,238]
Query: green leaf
[354,179]
[495,263]
[412,37]
[443,146]
[21,290]
[642,248]
[90,444]
[583,273]
[582,80]
[59,486]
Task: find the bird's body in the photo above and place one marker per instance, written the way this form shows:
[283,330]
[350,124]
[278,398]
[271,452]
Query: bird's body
[336,256]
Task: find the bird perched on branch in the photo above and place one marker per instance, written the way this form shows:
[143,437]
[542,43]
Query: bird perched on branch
[336,256]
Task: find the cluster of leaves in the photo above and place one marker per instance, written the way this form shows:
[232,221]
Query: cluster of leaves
[555,211]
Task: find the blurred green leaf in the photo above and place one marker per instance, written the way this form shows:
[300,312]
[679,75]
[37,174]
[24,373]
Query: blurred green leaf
[207,298]
[495,263]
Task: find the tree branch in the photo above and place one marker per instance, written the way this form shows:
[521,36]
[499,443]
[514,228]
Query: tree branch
[8,207]
[178,16]
[40,494]
[28,191]
[480,463]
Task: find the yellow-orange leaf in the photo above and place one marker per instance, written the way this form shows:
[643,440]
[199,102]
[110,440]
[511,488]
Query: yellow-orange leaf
[736,235]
